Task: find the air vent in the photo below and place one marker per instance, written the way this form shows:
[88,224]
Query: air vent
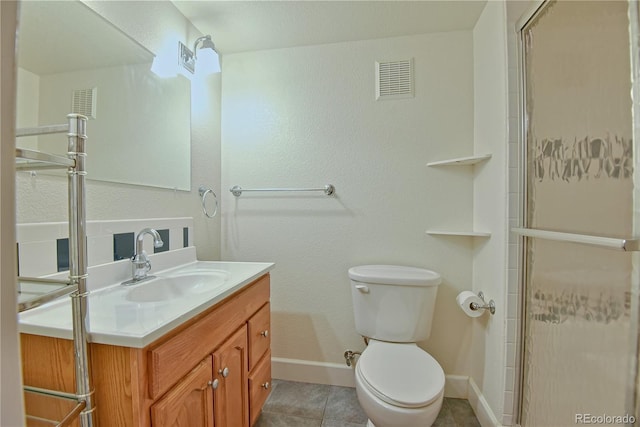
[84,102]
[394,79]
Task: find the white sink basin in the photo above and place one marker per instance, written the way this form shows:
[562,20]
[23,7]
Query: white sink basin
[177,285]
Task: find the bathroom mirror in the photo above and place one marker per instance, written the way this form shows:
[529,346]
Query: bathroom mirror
[70,59]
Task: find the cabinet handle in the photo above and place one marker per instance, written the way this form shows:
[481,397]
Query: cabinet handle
[265,385]
[224,372]
[265,333]
[213,384]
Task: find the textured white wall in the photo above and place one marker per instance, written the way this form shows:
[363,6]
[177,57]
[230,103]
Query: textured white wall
[43,198]
[28,85]
[307,116]
[490,207]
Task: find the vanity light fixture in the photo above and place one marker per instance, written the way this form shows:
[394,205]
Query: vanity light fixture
[207,57]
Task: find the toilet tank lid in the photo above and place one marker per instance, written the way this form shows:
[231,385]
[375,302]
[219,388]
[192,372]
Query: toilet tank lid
[394,275]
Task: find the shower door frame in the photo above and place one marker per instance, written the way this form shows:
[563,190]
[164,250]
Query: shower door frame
[536,8]
[632,404]
[633,397]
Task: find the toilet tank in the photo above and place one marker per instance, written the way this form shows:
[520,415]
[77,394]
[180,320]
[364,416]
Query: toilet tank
[393,303]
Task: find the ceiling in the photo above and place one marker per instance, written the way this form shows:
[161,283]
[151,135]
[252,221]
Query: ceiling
[238,26]
[48,42]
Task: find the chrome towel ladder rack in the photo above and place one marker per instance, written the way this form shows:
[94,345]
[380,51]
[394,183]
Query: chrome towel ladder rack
[76,173]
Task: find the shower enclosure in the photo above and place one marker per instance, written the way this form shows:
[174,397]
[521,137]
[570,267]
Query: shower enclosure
[581,271]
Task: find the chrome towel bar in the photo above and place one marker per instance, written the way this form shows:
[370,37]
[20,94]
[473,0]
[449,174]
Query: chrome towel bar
[237,190]
[627,245]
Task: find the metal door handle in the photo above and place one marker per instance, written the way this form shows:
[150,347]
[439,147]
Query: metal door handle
[224,372]
[363,288]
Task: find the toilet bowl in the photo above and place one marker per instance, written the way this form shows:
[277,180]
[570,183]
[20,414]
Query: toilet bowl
[399,385]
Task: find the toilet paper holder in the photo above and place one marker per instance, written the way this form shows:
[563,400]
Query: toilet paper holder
[491,306]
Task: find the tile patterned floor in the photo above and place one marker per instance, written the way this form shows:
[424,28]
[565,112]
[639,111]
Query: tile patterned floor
[295,404]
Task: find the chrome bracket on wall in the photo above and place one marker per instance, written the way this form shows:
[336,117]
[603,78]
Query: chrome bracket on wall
[491,306]
[203,194]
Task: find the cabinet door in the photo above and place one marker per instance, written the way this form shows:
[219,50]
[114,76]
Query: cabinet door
[189,403]
[231,397]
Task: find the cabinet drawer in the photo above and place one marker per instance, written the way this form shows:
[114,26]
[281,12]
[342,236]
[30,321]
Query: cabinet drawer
[259,334]
[259,386]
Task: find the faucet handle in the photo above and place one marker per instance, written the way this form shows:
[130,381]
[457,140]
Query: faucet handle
[140,265]
[145,259]
[140,258]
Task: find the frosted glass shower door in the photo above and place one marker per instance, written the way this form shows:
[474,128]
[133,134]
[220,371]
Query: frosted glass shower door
[578,150]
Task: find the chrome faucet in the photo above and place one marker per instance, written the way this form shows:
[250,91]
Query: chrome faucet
[140,263]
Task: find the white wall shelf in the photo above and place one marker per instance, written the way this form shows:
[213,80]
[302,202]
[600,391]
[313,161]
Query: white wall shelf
[461,161]
[464,233]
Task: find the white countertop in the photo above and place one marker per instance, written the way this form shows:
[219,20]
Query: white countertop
[131,316]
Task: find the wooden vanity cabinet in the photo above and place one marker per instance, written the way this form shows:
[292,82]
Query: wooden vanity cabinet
[212,371]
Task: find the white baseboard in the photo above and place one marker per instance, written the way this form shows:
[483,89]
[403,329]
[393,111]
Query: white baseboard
[307,371]
[481,407]
[456,386]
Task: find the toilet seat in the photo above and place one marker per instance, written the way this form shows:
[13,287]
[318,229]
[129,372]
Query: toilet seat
[401,375]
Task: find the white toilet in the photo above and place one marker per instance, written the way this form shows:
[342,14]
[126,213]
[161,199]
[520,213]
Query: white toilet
[398,384]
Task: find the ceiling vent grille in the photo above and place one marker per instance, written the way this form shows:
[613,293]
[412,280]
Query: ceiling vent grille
[84,102]
[394,79]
